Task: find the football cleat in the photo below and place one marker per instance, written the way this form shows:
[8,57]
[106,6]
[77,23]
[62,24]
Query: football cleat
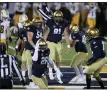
[58,77]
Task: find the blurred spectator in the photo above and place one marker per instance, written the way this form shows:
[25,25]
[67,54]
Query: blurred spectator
[74,9]
[84,13]
[19,9]
[92,10]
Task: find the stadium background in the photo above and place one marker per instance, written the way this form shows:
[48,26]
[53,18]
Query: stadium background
[66,56]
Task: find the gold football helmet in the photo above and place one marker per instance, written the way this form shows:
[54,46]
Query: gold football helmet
[58,14]
[74,28]
[27,23]
[93,33]
[37,19]
[42,42]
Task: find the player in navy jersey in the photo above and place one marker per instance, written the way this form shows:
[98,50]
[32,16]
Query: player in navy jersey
[54,30]
[98,59]
[26,54]
[40,64]
[34,32]
[78,42]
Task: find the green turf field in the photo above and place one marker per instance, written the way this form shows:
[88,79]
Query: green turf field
[66,56]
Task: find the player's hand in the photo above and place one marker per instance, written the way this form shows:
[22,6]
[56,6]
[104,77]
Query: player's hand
[90,61]
[23,82]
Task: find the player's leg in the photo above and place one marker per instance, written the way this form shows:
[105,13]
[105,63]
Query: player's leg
[96,73]
[88,80]
[77,19]
[29,63]
[39,82]
[23,65]
[89,21]
[58,53]
[95,66]
[98,78]
[51,46]
[45,80]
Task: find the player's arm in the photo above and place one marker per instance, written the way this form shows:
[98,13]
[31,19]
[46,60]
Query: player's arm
[46,32]
[30,38]
[66,35]
[35,56]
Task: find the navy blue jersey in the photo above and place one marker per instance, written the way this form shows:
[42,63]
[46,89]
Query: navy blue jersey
[40,66]
[80,39]
[56,31]
[37,33]
[22,33]
[97,47]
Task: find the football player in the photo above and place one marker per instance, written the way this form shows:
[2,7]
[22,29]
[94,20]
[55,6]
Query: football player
[20,43]
[74,9]
[4,26]
[98,60]
[54,30]
[91,19]
[35,31]
[78,42]
[20,8]
[53,34]
[40,62]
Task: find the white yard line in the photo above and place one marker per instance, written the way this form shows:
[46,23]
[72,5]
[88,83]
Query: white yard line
[11,47]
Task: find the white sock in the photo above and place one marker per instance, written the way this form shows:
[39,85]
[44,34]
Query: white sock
[76,71]
[29,73]
[81,70]
[50,70]
[23,73]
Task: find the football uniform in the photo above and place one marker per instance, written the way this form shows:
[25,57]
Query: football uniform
[91,18]
[54,39]
[39,67]
[74,9]
[80,48]
[28,49]
[98,59]
[4,27]
[84,13]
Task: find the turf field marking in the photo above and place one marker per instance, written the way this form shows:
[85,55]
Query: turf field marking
[11,47]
